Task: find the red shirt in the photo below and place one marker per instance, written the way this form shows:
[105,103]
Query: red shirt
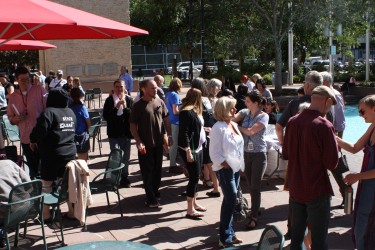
[311,148]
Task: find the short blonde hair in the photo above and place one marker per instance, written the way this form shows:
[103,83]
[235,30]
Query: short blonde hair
[223,106]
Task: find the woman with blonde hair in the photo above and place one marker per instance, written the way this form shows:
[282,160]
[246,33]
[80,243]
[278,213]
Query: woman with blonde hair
[364,206]
[226,151]
[190,140]
[172,101]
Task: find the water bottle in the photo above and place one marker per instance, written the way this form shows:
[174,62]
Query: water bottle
[348,205]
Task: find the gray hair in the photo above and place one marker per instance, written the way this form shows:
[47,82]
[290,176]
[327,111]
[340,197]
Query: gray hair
[314,79]
[327,77]
[303,106]
[212,84]
[199,83]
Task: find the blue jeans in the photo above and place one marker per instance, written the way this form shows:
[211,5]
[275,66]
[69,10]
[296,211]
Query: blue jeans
[316,213]
[122,143]
[229,182]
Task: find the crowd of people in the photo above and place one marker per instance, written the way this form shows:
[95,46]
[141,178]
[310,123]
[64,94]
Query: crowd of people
[211,135]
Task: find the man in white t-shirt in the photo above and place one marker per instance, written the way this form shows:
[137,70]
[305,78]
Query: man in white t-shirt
[59,81]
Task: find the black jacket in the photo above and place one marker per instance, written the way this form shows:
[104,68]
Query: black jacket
[117,126]
[55,128]
[189,129]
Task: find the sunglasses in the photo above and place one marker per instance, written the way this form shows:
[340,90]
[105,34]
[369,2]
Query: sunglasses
[361,112]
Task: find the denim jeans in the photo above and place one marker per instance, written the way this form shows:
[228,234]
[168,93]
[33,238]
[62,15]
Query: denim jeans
[122,143]
[229,182]
[316,213]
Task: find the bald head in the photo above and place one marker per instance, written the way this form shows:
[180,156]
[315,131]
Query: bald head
[159,80]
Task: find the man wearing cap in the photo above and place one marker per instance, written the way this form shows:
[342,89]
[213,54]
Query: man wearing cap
[59,81]
[312,80]
[311,148]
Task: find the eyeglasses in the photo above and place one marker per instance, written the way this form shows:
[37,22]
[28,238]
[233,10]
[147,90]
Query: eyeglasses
[361,112]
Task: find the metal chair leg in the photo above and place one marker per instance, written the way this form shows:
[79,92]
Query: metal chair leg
[106,193]
[16,235]
[7,239]
[119,203]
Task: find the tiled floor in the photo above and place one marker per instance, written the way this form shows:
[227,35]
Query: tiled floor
[167,227]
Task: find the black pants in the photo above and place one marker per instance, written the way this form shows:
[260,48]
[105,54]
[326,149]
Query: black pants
[340,182]
[151,164]
[194,170]
[32,159]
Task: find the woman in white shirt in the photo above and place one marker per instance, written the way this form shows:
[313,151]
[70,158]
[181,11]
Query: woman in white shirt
[226,152]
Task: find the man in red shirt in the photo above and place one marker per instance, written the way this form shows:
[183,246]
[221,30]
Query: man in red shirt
[311,148]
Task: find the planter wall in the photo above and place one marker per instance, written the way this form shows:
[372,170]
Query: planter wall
[361,91]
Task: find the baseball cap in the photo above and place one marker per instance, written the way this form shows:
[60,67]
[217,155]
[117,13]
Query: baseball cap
[325,91]
[60,72]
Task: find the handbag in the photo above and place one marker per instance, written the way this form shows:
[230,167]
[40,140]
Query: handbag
[240,210]
[342,165]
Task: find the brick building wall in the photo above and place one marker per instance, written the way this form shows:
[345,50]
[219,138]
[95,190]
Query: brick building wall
[92,60]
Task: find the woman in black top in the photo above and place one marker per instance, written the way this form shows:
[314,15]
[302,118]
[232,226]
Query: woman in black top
[190,140]
[272,108]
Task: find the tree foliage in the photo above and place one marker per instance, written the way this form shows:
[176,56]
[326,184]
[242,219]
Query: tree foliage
[239,29]
[28,57]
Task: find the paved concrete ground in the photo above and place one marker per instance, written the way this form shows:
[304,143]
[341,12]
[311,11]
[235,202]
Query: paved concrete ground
[167,227]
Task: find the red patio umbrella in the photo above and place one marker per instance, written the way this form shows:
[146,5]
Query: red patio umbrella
[25,45]
[45,20]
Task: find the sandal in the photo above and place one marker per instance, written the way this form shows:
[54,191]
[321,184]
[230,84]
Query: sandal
[252,224]
[194,216]
[200,209]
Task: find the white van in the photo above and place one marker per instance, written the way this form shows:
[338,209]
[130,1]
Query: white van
[310,60]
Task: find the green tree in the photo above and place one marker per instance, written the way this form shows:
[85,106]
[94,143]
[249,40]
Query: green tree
[27,57]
